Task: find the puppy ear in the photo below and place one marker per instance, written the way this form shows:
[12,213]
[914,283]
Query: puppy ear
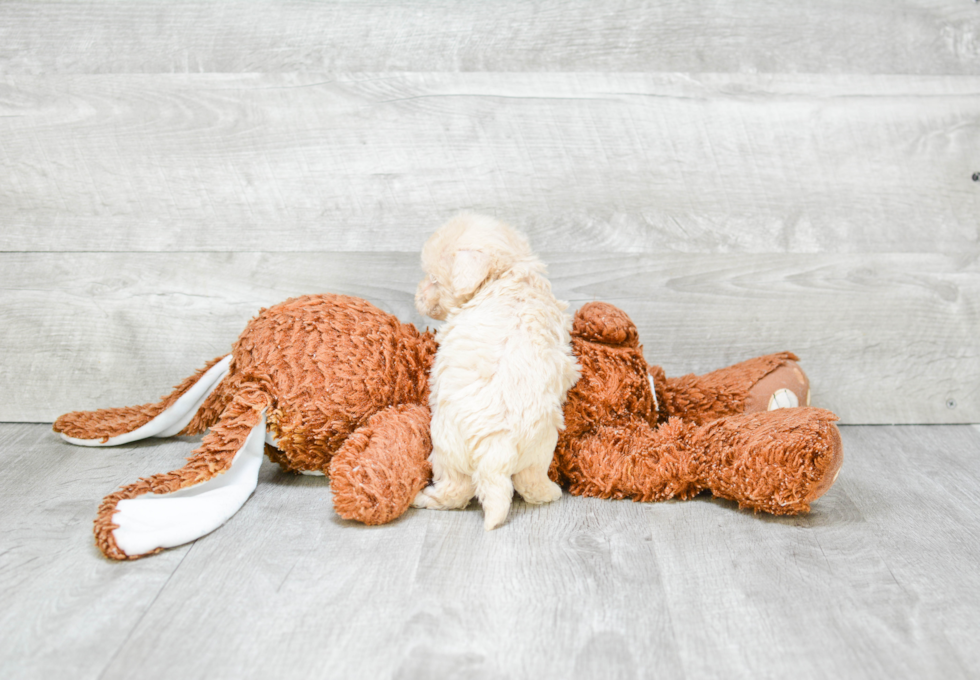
[470,269]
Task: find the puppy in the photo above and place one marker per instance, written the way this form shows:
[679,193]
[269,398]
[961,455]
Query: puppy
[502,370]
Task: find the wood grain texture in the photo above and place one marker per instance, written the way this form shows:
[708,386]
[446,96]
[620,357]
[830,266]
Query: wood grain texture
[878,581]
[826,36]
[870,569]
[65,610]
[884,338]
[583,162]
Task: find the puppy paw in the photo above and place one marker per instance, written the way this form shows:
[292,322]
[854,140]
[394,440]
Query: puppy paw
[545,492]
[536,487]
[422,500]
[444,497]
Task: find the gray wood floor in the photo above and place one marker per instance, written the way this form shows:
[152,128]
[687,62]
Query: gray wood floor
[880,580]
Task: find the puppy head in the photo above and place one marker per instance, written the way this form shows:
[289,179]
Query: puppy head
[462,256]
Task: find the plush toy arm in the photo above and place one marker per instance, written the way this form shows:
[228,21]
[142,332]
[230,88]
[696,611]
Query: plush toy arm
[176,413]
[170,509]
[383,465]
[759,384]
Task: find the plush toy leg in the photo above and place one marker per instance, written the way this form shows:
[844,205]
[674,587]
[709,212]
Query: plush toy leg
[170,509]
[383,465]
[760,384]
[114,426]
[631,460]
[777,462]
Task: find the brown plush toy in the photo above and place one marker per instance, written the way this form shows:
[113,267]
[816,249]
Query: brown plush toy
[632,433]
[328,384]
[332,385]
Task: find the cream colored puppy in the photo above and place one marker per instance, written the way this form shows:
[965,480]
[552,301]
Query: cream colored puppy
[502,370]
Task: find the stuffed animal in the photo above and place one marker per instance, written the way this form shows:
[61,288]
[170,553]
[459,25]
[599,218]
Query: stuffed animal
[632,433]
[332,385]
[327,384]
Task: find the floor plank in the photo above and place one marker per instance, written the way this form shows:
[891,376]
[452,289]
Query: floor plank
[885,338]
[637,163]
[834,36]
[65,610]
[879,580]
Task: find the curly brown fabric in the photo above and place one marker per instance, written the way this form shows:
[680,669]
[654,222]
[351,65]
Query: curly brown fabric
[720,393]
[618,444]
[345,389]
[777,461]
[330,363]
[112,422]
[604,323]
[381,467]
[211,409]
[632,460]
[213,457]
[323,366]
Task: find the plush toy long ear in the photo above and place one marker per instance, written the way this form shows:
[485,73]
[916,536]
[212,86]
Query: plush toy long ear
[173,508]
[470,269]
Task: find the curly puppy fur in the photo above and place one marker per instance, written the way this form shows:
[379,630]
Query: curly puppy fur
[501,372]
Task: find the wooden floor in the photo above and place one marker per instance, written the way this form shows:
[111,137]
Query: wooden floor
[879,581]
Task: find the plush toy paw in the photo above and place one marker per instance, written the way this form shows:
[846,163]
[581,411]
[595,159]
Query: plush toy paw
[777,462]
[603,323]
[785,387]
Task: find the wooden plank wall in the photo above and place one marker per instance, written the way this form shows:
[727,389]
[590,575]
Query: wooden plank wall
[740,177]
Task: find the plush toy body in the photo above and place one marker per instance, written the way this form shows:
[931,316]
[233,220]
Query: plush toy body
[320,380]
[331,384]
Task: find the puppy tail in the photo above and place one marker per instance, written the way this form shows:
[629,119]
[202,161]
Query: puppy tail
[494,486]
[192,407]
[495,494]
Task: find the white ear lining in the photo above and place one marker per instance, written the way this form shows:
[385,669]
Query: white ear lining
[153,521]
[173,419]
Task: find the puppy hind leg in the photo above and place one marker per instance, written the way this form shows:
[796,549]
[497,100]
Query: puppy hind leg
[534,486]
[450,490]
[532,483]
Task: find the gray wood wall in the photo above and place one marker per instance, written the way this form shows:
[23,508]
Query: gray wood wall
[740,177]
